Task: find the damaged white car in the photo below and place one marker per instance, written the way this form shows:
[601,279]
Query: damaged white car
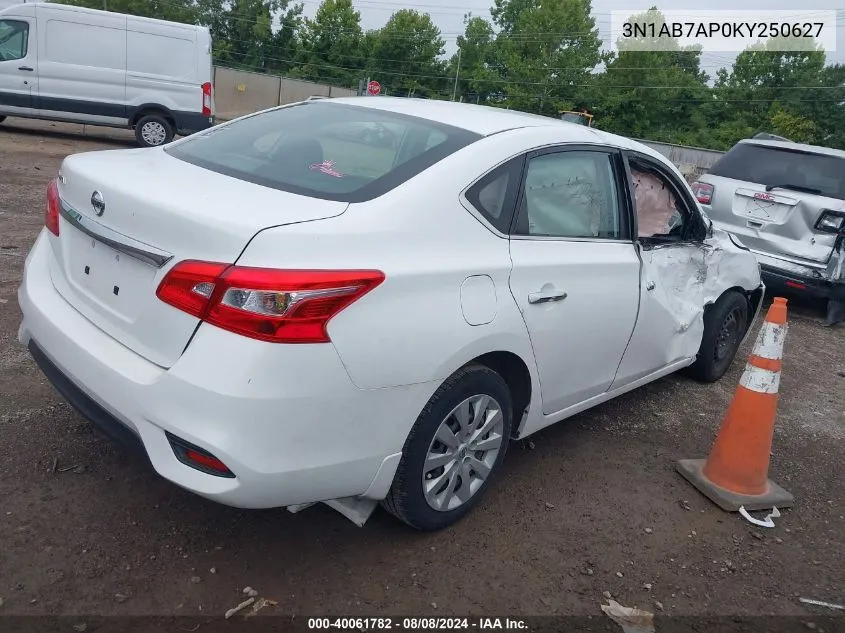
[277,313]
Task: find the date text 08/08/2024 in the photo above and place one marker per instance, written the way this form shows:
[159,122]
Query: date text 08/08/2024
[416,624]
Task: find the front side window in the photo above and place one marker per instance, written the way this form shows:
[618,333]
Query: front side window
[14,37]
[660,211]
[325,150]
[570,194]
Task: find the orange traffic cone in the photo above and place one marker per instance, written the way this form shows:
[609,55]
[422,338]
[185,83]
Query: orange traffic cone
[736,472]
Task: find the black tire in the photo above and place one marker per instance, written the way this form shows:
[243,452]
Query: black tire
[2,118]
[406,499]
[725,324]
[153,130]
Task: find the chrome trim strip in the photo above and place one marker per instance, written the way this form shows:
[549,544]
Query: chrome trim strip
[791,260]
[119,242]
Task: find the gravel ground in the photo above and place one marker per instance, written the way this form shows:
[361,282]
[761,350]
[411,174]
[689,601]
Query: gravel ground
[590,506]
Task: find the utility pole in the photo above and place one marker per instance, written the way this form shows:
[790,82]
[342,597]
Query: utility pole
[457,72]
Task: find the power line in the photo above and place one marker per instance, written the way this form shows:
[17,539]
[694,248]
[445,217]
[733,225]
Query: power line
[701,101]
[702,64]
[509,81]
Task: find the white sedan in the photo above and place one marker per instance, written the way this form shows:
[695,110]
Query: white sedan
[279,312]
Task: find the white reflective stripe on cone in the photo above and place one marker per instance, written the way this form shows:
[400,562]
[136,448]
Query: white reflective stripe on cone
[760,380]
[770,341]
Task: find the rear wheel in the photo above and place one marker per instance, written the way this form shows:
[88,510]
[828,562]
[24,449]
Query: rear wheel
[725,324]
[153,130]
[453,451]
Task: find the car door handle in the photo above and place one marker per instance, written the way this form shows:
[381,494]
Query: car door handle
[27,68]
[545,297]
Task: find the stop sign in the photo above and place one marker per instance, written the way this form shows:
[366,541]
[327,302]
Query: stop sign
[374,87]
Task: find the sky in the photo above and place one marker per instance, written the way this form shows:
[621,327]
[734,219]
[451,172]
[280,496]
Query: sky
[448,16]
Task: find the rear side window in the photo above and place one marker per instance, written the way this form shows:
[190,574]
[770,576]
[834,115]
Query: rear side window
[13,39]
[776,166]
[325,150]
[494,196]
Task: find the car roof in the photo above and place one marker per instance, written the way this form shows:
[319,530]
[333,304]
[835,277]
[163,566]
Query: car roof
[487,120]
[801,147]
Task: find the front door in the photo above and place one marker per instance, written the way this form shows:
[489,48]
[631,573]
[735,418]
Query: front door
[670,323]
[18,66]
[575,273]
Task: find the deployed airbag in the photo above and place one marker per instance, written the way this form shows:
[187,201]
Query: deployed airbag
[655,204]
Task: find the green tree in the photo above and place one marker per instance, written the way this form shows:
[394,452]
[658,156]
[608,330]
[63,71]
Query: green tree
[404,55]
[545,52]
[766,81]
[653,88]
[474,64]
[794,127]
[825,106]
[332,44]
[258,35]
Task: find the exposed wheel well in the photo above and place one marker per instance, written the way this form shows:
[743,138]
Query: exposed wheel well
[515,373]
[752,298]
[162,112]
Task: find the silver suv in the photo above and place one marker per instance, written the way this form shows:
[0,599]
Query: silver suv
[786,203]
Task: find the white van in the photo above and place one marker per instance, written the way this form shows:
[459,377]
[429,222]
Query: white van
[65,63]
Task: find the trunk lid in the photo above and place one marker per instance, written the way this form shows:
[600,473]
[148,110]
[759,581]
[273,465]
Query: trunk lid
[779,222]
[158,210]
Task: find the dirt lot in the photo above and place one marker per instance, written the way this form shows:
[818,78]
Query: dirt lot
[590,506]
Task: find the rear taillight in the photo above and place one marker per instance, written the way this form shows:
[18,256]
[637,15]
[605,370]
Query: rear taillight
[831,222]
[51,207]
[280,306]
[703,192]
[206,99]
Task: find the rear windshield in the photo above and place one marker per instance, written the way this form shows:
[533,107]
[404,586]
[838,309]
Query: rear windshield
[325,150]
[776,166]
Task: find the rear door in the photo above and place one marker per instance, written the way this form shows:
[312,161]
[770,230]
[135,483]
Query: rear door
[18,65]
[771,196]
[575,271]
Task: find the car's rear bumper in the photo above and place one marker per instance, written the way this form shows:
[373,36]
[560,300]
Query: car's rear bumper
[808,285]
[286,420]
[188,123]
[810,279]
